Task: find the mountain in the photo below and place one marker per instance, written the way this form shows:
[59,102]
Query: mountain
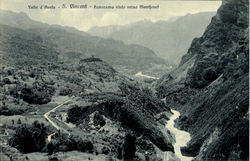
[20,20]
[168,39]
[128,59]
[211,87]
[104,31]
[36,72]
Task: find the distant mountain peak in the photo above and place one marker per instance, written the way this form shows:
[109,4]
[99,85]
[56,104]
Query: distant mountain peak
[168,39]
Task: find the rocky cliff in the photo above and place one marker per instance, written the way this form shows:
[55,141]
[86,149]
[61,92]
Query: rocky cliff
[210,87]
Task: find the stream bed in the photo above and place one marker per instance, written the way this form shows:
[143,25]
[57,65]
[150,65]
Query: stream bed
[181,137]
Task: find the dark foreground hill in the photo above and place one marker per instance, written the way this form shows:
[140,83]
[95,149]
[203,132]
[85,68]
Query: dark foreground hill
[34,73]
[71,44]
[211,87]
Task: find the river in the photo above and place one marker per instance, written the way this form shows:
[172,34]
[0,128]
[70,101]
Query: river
[181,137]
[139,74]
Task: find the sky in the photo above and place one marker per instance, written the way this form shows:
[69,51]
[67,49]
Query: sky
[84,19]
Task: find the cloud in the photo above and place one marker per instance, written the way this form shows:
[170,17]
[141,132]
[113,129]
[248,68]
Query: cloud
[110,18]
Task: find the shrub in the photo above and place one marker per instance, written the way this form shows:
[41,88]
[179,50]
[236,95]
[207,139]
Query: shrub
[70,143]
[6,81]
[105,150]
[129,148]
[119,152]
[65,91]
[99,120]
[50,148]
[32,74]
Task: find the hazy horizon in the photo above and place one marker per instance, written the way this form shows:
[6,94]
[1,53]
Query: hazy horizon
[84,19]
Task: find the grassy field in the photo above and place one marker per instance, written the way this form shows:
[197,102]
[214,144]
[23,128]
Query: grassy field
[42,109]
[68,156]
[28,119]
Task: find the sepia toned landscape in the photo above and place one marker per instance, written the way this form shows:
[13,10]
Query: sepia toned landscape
[175,89]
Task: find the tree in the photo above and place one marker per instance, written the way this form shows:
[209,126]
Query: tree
[99,120]
[19,121]
[129,148]
[119,152]
[6,81]
[50,148]
[105,150]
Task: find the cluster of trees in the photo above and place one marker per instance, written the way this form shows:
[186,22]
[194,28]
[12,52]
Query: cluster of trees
[32,138]
[142,97]
[4,110]
[64,91]
[76,114]
[29,138]
[69,143]
[126,151]
[38,93]
[91,59]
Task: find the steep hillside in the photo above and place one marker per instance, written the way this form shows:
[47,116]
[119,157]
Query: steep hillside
[20,20]
[29,61]
[128,59]
[168,39]
[211,87]
[34,76]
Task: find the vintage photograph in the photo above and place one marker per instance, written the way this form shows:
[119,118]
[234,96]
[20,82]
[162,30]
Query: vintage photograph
[123,80]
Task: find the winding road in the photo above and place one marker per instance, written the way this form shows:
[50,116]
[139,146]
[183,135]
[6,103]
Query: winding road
[46,116]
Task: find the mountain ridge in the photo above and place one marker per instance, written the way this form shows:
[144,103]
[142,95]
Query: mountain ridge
[168,39]
[210,87]
[67,39]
